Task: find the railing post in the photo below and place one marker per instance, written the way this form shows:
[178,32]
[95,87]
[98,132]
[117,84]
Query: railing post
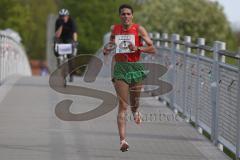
[149,55]
[164,44]
[201,42]
[238,111]
[174,47]
[157,44]
[165,36]
[200,52]
[215,90]
[150,35]
[187,50]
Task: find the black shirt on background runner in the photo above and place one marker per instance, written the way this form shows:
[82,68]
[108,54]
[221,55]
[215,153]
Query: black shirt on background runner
[68,29]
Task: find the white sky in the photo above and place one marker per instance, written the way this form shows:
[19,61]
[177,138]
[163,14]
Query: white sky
[231,9]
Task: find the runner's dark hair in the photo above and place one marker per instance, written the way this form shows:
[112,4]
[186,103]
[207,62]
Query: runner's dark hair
[125,6]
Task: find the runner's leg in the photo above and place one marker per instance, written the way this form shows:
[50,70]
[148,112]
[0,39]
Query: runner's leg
[122,91]
[135,92]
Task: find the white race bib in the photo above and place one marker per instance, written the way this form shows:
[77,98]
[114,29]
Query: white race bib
[64,48]
[123,41]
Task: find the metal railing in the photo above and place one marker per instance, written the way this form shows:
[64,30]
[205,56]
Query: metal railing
[13,59]
[206,88]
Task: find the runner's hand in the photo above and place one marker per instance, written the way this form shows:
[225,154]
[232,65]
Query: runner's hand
[106,52]
[108,48]
[132,47]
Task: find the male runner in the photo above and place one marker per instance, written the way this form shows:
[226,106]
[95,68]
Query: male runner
[128,73]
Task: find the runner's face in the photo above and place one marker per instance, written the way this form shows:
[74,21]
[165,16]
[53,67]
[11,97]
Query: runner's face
[126,16]
[65,18]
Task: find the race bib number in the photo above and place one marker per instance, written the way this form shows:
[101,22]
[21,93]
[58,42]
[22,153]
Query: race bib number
[123,42]
[64,49]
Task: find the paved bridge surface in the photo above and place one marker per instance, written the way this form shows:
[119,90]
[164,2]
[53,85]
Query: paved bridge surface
[30,129]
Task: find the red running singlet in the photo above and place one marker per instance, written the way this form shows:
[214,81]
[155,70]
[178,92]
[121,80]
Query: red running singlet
[120,33]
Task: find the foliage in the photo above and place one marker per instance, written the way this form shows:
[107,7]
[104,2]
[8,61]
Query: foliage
[198,18]
[29,19]
[93,18]
[15,16]
[39,9]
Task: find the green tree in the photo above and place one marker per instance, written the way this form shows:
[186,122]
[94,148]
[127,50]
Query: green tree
[198,18]
[93,18]
[36,38]
[15,16]
[238,39]
[28,18]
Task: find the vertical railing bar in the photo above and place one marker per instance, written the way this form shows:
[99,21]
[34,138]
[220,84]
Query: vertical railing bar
[238,111]
[215,90]
[187,50]
[165,36]
[200,52]
[174,47]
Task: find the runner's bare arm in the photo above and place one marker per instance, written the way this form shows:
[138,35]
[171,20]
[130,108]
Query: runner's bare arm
[149,48]
[112,36]
[59,32]
[111,39]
